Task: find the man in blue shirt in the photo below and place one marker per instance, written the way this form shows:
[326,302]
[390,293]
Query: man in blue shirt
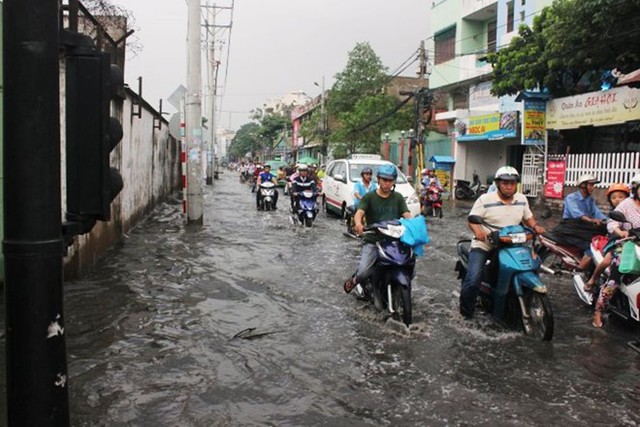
[363,186]
[581,218]
[266,176]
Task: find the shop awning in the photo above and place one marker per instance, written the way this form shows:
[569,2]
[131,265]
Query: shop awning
[442,159]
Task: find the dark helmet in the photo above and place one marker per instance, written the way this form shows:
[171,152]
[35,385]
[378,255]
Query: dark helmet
[387,172]
[366,170]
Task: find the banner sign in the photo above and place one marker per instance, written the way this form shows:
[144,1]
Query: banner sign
[556,167]
[533,122]
[489,126]
[614,106]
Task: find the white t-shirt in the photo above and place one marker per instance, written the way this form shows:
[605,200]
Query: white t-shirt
[494,211]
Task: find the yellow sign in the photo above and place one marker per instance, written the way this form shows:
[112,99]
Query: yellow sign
[609,107]
[479,125]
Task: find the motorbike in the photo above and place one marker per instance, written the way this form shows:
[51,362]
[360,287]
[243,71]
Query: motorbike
[511,289]
[349,214]
[466,190]
[432,201]
[307,207]
[625,303]
[267,196]
[558,257]
[390,285]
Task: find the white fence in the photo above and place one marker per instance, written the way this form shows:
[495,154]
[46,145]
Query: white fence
[608,167]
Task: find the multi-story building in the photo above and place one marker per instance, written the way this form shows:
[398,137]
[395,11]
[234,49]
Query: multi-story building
[483,130]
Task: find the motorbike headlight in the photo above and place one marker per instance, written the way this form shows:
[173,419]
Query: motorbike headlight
[412,199]
[395,231]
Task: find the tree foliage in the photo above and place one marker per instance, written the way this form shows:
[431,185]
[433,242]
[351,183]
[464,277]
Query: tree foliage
[569,47]
[359,107]
[246,139]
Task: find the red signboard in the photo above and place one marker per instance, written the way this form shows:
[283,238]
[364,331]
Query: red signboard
[555,178]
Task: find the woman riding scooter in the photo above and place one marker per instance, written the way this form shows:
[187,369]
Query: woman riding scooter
[630,207]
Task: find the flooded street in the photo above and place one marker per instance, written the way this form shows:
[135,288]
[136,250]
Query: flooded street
[244,322]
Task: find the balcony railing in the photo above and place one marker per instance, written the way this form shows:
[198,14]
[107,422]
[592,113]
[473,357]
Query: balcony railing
[479,10]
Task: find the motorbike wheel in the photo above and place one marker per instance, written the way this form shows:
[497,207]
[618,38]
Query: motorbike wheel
[438,212]
[402,303]
[539,309]
[267,206]
[308,222]
[460,193]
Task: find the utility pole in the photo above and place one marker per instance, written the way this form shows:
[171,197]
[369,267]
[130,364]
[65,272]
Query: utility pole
[36,365]
[213,64]
[193,105]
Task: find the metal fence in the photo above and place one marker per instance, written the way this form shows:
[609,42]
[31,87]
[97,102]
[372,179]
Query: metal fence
[608,167]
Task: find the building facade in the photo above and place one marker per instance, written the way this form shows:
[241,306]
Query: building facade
[485,132]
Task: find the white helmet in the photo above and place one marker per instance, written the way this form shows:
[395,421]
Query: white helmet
[507,173]
[302,167]
[636,179]
[587,178]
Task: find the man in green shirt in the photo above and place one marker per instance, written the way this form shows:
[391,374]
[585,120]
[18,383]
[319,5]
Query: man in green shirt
[380,205]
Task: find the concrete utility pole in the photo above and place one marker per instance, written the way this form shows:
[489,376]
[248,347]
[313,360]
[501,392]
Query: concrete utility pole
[194,116]
[213,150]
[36,362]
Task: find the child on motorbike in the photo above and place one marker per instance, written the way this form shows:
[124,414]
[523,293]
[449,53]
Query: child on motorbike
[630,207]
[615,194]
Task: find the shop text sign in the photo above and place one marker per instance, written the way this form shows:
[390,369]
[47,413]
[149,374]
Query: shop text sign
[555,178]
[533,122]
[603,108]
[490,126]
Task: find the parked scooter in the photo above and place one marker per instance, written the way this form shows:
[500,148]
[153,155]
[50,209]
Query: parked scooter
[390,284]
[267,196]
[511,289]
[466,190]
[307,207]
[431,201]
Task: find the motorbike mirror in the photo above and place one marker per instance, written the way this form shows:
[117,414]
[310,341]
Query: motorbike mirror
[475,219]
[618,216]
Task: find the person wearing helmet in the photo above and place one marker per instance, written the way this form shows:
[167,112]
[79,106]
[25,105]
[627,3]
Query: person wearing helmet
[380,205]
[502,208]
[429,177]
[363,186]
[615,195]
[264,176]
[630,208]
[302,181]
[581,219]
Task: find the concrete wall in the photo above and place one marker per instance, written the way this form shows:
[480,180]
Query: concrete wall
[1,147]
[149,161]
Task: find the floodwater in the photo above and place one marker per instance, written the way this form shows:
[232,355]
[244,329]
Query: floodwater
[243,321]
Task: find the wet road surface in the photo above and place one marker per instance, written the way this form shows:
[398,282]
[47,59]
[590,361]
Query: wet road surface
[244,322]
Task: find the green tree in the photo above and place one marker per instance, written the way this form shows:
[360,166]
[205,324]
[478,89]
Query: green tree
[359,107]
[246,139]
[569,46]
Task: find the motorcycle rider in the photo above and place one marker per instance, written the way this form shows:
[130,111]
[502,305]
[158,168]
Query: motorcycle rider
[380,205]
[363,186]
[581,218]
[501,208]
[428,177]
[300,183]
[266,176]
[630,207]
[615,195]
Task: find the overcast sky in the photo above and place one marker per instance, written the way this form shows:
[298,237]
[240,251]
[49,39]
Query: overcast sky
[277,46]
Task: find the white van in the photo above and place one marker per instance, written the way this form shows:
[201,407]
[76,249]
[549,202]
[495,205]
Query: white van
[342,174]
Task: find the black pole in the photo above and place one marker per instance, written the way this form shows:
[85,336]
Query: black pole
[37,379]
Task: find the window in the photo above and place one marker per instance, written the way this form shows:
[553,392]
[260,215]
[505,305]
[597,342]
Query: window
[522,17]
[445,45]
[491,36]
[510,17]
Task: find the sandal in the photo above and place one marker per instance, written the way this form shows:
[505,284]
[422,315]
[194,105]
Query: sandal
[349,284]
[597,320]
